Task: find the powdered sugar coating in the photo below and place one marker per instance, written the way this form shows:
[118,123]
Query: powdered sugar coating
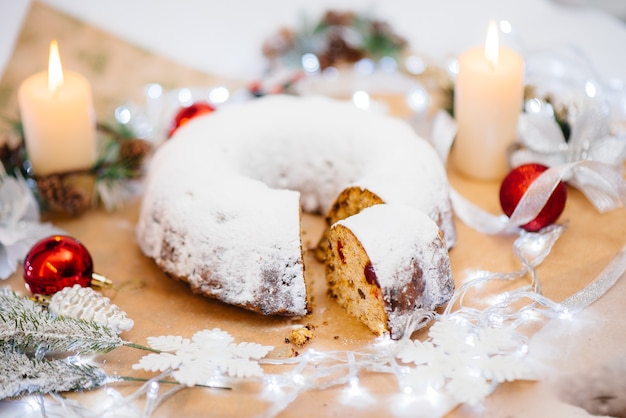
[222,200]
[406,251]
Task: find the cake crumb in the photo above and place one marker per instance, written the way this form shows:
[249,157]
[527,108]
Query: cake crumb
[302,335]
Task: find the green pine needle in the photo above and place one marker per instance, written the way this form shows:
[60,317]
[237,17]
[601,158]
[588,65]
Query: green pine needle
[21,375]
[27,327]
[118,131]
[15,124]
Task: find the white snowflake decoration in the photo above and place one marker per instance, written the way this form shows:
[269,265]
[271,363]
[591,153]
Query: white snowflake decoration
[209,354]
[462,360]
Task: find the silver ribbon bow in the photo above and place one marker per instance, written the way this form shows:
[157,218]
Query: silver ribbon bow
[593,166]
[600,179]
[590,161]
[20,228]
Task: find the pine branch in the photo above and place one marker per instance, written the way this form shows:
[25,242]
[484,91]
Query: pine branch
[119,132]
[21,375]
[27,327]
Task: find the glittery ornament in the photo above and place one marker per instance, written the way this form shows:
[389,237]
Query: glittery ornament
[57,262]
[87,304]
[187,113]
[515,185]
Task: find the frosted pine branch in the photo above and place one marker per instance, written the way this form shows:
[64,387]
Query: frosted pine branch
[21,375]
[26,326]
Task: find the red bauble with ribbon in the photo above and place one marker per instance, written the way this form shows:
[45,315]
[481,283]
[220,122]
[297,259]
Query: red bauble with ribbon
[57,262]
[515,185]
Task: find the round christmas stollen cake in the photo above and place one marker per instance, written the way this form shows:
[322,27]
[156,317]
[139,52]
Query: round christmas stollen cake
[223,197]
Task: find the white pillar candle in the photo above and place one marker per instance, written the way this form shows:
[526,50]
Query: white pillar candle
[488,98]
[58,119]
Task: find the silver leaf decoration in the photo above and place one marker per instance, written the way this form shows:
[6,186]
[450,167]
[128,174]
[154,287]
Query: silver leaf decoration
[20,228]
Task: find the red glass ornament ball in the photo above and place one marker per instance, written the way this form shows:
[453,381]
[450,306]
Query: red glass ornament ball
[515,185]
[187,113]
[57,262]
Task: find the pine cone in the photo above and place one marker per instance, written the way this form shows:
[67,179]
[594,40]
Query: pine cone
[338,18]
[59,196]
[133,151]
[11,152]
[280,43]
[339,51]
[5,152]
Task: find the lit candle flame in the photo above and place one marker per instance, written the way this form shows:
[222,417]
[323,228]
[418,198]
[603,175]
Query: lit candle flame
[55,70]
[492,44]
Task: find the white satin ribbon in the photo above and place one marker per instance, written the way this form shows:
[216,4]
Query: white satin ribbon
[599,286]
[20,228]
[601,183]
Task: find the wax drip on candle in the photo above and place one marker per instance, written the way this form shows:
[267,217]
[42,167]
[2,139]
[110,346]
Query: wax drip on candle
[55,69]
[492,46]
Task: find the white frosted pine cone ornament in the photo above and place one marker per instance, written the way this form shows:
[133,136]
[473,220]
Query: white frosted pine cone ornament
[87,304]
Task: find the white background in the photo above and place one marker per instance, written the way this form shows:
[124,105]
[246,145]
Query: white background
[225,37]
